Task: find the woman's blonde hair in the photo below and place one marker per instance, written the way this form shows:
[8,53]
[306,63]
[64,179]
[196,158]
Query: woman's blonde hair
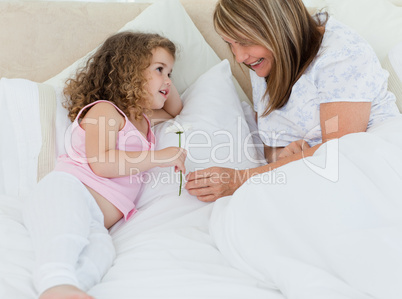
[284,27]
[116,73]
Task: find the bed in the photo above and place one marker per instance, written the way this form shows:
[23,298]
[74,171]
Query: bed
[176,246]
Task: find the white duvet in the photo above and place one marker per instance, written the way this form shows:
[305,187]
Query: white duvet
[165,251]
[309,237]
[330,230]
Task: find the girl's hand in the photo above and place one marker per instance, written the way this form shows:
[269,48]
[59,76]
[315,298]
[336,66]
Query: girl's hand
[214,182]
[172,156]
[293,148]
[173,104]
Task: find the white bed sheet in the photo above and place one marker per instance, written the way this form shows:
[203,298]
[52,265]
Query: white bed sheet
[164,251]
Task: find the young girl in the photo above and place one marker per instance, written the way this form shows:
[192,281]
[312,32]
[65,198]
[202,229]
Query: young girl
[112,100]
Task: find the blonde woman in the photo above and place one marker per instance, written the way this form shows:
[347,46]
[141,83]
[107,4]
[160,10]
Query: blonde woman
[313,80]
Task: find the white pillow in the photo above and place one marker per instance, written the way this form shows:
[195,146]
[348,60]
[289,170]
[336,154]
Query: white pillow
[396,2]
[393,64]
[167,18]
[219,134]
[313,3]
[395,57]
[378,21]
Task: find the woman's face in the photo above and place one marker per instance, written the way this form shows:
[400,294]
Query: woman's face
[257,57]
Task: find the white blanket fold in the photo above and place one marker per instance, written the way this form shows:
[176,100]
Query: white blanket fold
[314,237]
[20,136]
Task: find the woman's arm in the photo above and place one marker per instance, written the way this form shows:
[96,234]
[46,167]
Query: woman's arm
[172,107]
[341,118]
[337,119]
[215,182]
[102,124]
[272,154]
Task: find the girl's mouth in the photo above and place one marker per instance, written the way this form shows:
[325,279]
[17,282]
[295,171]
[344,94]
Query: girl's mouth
[165,92]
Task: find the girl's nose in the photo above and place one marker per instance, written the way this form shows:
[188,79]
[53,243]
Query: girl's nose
[168,81]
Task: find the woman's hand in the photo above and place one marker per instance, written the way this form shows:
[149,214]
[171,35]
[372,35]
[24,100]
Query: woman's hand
[214,182]
[293,148]
[172,156]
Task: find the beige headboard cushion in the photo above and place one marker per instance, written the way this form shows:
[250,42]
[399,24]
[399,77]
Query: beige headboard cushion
[394,82]
[40,39]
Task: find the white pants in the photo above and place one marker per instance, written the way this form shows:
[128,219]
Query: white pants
[71,244]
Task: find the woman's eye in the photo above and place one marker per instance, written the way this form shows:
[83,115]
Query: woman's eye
[244,44]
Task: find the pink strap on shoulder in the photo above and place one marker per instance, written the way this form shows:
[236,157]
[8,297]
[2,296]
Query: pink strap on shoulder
[100,101]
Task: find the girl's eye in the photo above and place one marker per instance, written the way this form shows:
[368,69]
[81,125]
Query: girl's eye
[160,69]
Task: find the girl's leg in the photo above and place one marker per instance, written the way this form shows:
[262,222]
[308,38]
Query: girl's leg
[58,219]
[98,256]
[65,292]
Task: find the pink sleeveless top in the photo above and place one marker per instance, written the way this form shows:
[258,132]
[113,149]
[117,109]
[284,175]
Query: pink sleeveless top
[122,191]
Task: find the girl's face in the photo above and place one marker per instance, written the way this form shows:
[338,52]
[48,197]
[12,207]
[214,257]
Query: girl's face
[158,75]
[257,57]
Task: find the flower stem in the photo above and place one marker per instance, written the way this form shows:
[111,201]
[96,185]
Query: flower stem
[181,174]
[181,181]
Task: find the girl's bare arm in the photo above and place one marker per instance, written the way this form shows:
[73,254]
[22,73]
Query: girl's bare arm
[102,124]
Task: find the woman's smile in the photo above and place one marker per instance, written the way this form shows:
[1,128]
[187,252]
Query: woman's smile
[257,57]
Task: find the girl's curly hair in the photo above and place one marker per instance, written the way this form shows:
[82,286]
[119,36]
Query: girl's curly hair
[116,73]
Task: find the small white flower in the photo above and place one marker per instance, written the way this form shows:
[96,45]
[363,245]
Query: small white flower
[176,128]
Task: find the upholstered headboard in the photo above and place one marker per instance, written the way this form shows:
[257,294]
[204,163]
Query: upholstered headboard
[40,39]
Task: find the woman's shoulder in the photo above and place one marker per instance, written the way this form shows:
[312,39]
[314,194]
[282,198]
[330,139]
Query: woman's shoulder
[343,41]
[342,46]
